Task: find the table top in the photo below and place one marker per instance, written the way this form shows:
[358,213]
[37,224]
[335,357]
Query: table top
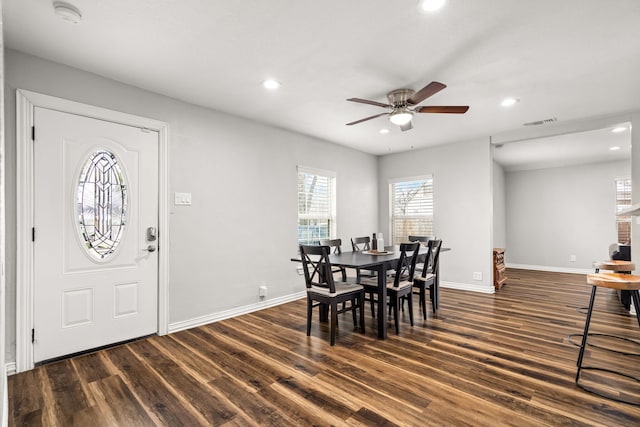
[363,260]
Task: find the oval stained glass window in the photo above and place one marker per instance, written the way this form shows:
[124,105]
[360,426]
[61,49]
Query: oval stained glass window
[101,204]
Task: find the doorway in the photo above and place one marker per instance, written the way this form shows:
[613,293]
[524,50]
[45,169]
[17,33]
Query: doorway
[92,227]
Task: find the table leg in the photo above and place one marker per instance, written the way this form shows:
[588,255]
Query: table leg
[382,301]
[324,312]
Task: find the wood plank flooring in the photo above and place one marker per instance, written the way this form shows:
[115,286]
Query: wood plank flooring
[484,359]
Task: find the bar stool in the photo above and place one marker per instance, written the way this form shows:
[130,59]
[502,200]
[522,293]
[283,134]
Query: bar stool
[613,281]
[614,265]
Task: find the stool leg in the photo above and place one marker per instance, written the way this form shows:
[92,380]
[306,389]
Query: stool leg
[586,331]
[635,295]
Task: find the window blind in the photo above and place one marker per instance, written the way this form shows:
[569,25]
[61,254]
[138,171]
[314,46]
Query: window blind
[623,201]
[316,205]
[411,208]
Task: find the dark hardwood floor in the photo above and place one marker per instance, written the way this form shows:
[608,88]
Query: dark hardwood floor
[493,360]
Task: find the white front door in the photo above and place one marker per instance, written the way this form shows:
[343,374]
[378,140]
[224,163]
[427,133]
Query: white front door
[95,235]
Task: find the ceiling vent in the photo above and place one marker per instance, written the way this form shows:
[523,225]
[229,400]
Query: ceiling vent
[541,122]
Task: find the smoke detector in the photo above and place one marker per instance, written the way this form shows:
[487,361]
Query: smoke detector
[67,11]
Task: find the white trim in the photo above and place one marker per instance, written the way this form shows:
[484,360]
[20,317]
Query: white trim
[26,101]
[5,401]
[10,368]
[484,289]
[227,314]
[315,171]
[550,268]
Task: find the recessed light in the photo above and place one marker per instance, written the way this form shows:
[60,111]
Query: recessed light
[508,102]
[271,84]
[384,131]
[67,11]
[430,5]
[619,129]
[614,148]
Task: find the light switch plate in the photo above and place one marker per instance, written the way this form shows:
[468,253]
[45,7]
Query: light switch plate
[183,199]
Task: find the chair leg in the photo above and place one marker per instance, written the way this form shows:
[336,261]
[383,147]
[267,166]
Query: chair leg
[353,311]
[586,332]
[395,313]
[373,308]
[434,297]
[361,308]
[423,301]
[309,314]
[410,303]
[334,321]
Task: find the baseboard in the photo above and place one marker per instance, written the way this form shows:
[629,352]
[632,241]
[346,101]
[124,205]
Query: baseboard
[216,317]
[550,268]
[5,394]
[483,288]
[10,368]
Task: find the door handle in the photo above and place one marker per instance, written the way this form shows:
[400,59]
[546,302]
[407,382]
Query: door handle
[150,248]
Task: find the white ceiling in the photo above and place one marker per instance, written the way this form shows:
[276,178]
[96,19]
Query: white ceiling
[570,59]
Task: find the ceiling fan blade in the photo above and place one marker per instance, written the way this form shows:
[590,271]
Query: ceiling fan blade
[424,93]
[406,127]
[366,101]
[451,109]
[367,118]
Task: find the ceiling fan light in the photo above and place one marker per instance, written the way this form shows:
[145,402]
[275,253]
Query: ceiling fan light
[400,118]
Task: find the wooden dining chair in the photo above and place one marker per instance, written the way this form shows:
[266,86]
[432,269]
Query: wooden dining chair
[421,239]
[322,289]
[400,285]
[359,244]
[428,277]
[336,248]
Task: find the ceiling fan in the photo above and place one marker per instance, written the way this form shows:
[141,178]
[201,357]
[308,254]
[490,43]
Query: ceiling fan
[402,105]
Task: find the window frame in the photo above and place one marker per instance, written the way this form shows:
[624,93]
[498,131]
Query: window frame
[625,194]
[331,218]
[393,239]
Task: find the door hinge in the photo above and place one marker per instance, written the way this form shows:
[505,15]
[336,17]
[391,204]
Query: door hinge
[33,234]
[33,133]
[33,335]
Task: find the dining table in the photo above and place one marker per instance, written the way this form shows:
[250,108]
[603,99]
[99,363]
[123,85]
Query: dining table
[380,262]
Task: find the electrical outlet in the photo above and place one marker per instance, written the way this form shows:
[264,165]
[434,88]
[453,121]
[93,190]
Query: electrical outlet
[477,275]
[262,291]
[573,258]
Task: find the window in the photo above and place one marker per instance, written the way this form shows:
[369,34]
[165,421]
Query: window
[101,204]
[411,208]
[316,205]
[623,201]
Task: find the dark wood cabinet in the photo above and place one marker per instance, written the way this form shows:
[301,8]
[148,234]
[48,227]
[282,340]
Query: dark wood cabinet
[499,272]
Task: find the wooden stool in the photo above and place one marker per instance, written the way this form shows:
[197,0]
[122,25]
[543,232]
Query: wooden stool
[615,266]
[614,281]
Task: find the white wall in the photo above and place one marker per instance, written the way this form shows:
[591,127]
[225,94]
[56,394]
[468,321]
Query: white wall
[499,207]
[240,231]
[558,212]
[4,405]
[462,206]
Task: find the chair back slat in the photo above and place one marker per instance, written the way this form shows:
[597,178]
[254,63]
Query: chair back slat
[361,244]
[407,262]
[317,266]
[433,255]
[421,239]
[332,243]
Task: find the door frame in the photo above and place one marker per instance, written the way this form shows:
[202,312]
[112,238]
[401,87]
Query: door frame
[26,101]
